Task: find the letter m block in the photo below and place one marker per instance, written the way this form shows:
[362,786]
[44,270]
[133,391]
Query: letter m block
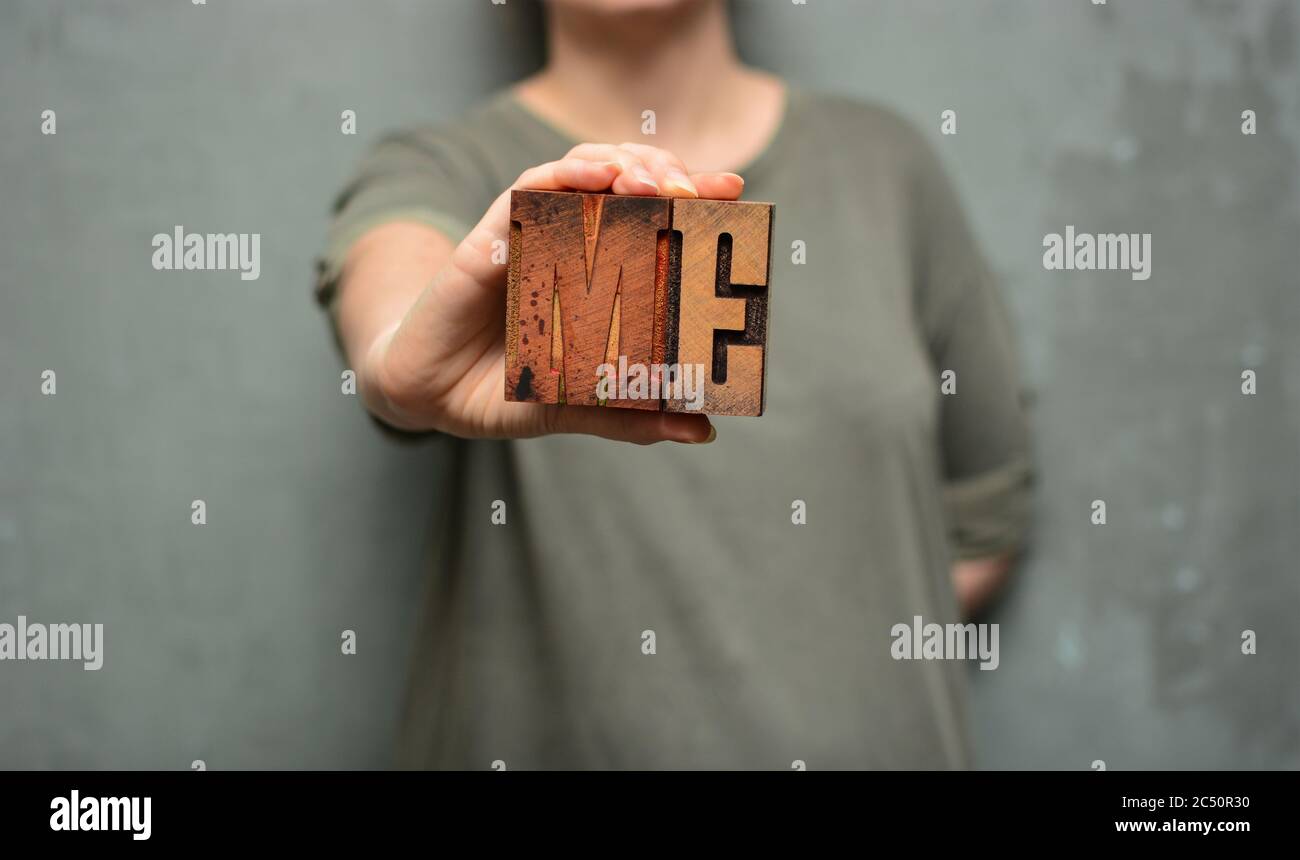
[588,283]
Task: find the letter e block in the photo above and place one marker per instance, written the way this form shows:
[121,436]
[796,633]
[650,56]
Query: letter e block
[721,309]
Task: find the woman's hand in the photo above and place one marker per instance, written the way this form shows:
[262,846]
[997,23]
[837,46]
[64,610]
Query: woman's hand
[438,362]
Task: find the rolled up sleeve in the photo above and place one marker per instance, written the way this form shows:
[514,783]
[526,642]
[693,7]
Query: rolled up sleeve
[984,432]
[418,175]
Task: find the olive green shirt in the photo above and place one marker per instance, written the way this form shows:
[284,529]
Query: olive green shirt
[660,606]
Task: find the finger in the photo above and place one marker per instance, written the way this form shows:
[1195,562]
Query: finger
[571,174]
[669,170]
[719,186]
[629,425]
[636,178]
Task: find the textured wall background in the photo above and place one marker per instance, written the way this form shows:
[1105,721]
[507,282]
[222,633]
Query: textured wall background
[1118,642]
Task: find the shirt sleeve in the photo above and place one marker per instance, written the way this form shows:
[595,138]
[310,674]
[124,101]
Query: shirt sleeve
[983,430]
[422,175]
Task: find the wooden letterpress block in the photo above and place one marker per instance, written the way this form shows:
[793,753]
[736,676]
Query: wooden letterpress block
[666,288]
[587,284]
[719,307]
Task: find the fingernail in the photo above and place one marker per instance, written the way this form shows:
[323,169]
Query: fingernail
[614,164]
[680,180]
[713,434]
[644,176]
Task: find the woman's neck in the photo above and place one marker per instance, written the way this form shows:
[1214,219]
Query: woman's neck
[605,70]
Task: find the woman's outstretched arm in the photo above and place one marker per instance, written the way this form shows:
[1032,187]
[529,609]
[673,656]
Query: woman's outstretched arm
[422,320]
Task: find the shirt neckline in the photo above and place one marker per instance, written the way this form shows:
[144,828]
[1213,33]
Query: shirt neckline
[757,166]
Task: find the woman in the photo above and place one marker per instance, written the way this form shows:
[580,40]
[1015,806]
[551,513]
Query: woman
[648,606]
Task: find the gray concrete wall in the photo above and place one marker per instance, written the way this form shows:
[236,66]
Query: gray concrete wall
[1118,642]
